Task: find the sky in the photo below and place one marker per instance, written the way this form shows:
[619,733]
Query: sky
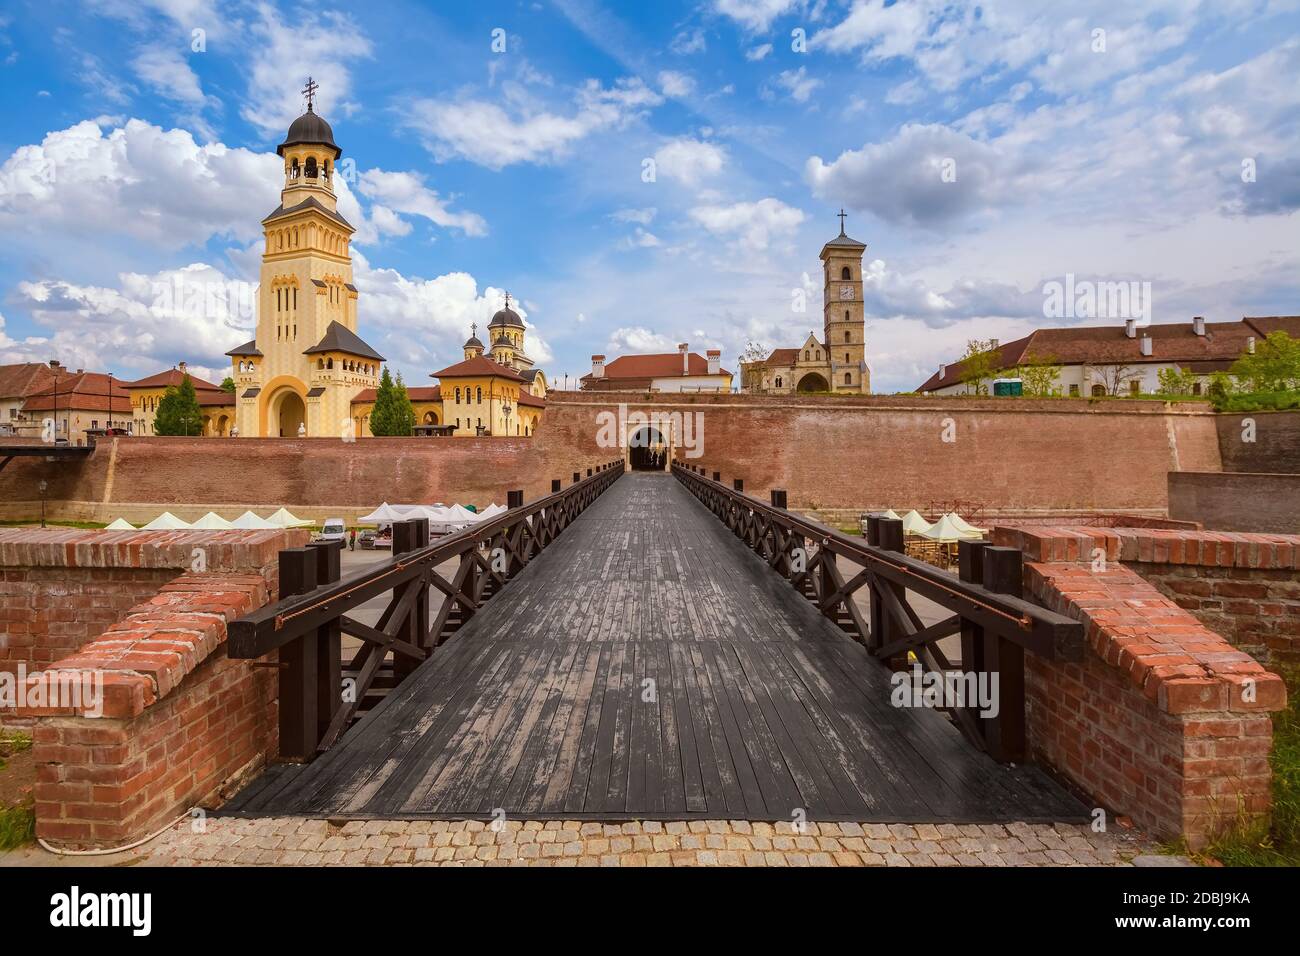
[638,175]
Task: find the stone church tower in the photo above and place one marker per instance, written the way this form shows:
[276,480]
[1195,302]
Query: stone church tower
[299,375]
[844,322]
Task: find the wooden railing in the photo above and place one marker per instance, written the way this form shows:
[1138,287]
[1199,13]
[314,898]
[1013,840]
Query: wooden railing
[320,692]
[996,626]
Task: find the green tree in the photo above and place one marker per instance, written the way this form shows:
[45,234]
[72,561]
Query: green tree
[979,364]
[227,384]
[178,412]
[1176,381]
[1274,366]
[1039,374]
[393,413]
[1221,386]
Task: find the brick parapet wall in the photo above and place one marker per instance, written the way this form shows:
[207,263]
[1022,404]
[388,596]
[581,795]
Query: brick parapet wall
[174,721]
[1244,586]
[1163,720]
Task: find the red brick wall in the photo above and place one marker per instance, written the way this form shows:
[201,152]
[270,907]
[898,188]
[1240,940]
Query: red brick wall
[827,452]
[1243,586]
[178,721]
[1237,502]
[1164,720]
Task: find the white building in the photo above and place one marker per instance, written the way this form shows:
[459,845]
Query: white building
[683,371]
[1121,359]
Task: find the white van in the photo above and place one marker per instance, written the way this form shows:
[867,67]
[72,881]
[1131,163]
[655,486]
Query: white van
[333,530]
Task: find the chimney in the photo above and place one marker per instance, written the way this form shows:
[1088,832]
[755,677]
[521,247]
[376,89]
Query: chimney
[54,363]
[1198,325]
[1250,344]
[943,370]
[1131,328]
[684,348]
[993,343]
[181,366]
[598,366]
[715,360]
[1145,344]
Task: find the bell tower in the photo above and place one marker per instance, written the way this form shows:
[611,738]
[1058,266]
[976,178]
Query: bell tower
[844,321]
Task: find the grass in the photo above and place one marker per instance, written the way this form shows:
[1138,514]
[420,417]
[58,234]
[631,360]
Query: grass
[17,823]
[1279,844]
[24,522]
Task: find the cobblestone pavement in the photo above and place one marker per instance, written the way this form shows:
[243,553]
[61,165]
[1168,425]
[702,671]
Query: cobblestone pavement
[291,842]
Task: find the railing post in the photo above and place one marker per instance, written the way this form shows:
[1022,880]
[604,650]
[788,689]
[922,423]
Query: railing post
[890,537]
[738,484]
[515,499]
[778,498]
[717,476]
[555,486]
[576,477]
[970,568]
[299,678]
[1004,732]
[329,644]
[588,472]
[406,538]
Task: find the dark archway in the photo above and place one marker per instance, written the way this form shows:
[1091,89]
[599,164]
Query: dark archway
[647,449]
[812,382]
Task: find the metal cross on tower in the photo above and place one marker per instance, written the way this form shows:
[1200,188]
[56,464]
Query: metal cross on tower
[309,91]
[842,215]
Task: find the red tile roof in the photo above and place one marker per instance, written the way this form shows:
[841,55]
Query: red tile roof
[630,368]
[479,365]
[1109,345]
[19,381]
[80,391]
[417,393]
[528,398]
[206,392]
[782,357]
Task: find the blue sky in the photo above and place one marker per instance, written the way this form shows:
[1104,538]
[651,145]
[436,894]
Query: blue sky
[1106,140]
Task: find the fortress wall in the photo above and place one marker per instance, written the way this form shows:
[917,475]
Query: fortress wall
[830,453]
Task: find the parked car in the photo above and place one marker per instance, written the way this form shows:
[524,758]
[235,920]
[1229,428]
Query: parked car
[332,530]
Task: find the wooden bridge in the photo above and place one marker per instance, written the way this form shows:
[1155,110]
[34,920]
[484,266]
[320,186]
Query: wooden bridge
[655,662]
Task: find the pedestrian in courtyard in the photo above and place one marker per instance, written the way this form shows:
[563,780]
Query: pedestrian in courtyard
[352,540]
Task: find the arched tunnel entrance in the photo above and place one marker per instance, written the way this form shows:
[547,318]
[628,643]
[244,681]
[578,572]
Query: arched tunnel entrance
[647,449]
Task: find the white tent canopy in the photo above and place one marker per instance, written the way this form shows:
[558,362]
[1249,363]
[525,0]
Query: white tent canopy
[248,521]
[166,522]
[120,524]
[491,511]
[284,518]
[384,514]
[915,523]
[944,531]
[891,513]
[212,522]
[963,525]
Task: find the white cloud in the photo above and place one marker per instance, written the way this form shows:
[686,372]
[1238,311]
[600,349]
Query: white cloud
[166,72]
[754,15]
[406,192]
[903,179]
[148,322]
[756,53]
[689,161]
[687,42]
[321,45]
[797,83]
[754,224]
[488,134]
[138,180]
[905,93]
[638,340]
[675,84]
[640,216]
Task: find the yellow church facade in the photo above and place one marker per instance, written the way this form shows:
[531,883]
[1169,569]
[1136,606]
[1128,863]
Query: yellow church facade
[298,377]
[307,373]
[837,362]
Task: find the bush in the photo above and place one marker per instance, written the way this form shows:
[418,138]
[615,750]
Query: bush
[1256,401]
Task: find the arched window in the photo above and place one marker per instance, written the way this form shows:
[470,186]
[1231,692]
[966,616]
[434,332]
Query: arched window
[479,392]
[846,356]
[320,363]
[848,378]
[805,355]
[329,363]
[293,170]
[846,315]
[1098,390]
[458,402]
[778,381]
[846,273]
[848,337]
[311,167]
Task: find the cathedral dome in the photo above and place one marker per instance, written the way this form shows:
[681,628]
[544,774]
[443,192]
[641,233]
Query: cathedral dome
[506,318]
[472,343]
[311,130]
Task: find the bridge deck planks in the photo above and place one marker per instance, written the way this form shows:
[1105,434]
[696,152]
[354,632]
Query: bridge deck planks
[649,666]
